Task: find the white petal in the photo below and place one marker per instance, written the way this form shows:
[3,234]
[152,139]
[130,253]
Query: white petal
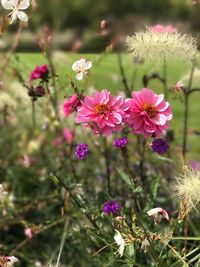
[88,65]
[22,16]
[24,4]
[80,76]
[120,242]
[7,4]
[14,15]
[154,211]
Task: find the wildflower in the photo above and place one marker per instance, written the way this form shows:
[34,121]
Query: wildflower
[161,28]
[16,7]
[81,67]
[82,151]
[111,207]
[8,261]
[68,135]
[157,47]
[120,242]
[28,233]
[159,146]
[71,104]
[120,142]
[145,245]
[195,165]
[40,72]
[155,213]
[104,111]
[2,192]
[187,189]
[39,91]
[179,86]
[148,112]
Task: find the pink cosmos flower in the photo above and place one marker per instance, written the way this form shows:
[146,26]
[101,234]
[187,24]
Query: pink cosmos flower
[68,135]
[105,111]
[154,212]
[71,104]
[40,72]
[161,28]
[149,113]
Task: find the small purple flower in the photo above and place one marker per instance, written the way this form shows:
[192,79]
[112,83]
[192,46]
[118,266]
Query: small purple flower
[82,151]
[120,142]
[160,146]
[195,165]
[111,207]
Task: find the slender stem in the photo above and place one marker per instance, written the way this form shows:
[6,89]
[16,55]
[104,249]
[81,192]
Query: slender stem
[77,202]
[187,92]
[165,79]
[185,127]
[33,112]
[124,80]
[107,162]
[142,159]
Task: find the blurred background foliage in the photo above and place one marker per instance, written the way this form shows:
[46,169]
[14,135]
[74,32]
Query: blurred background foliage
[79,21]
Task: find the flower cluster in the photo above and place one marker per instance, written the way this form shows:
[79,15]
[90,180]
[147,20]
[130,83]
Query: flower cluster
[160,146]
[145,113]
[82,151]
[111,207]
[120,142]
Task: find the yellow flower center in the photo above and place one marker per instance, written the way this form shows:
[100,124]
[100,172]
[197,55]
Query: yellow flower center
[150,110]
[101,109]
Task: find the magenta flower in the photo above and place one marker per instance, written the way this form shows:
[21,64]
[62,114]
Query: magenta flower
[71,104]
[149,113]
[159,146]
[111,207]
[40,72]
[104,111]
[120,142]
[68,135]
[162,28]
[82,151]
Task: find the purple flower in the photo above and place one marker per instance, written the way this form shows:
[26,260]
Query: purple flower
[82,151]
[111,207]
[195,165]
[120,142]
[160,146]
[40,72]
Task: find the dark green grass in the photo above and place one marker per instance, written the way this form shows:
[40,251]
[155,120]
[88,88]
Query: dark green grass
[105,74]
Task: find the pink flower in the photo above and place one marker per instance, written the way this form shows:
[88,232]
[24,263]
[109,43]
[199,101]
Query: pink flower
[71,104]
[149,113]
[154,212]
[68,135]
[57,141]
[40,72]
[179,86]
[105,111]
[28,233]
[161,28]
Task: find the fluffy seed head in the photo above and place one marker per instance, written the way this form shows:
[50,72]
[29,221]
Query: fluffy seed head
[188,190]
[157,47]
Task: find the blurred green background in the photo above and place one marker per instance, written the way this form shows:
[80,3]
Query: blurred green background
[76,23]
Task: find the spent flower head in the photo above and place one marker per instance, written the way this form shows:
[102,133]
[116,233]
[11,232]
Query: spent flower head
[188,190]
[156,47]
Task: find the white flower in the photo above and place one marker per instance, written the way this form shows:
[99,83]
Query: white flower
[154,212]
[120,242]
[81,67]
[16,6]
[179,86]
[11,261]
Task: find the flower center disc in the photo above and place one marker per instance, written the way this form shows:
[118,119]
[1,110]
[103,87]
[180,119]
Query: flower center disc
[101,109]
[150,110]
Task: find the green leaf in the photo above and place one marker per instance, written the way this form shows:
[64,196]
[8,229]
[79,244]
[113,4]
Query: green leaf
[130,183]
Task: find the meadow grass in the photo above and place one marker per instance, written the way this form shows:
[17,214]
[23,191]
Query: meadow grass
[106,75]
